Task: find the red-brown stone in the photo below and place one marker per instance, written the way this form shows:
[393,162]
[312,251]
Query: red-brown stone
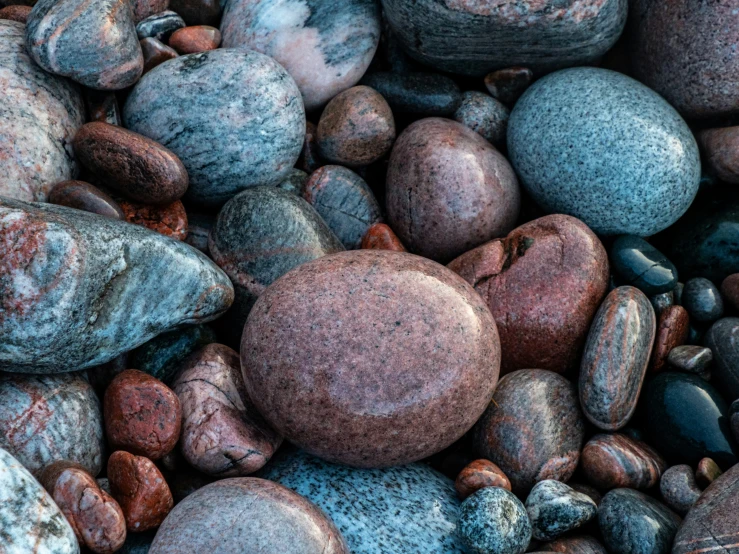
[195,39]
[169,220]
[730,290]
[84,196]
[613,461]
[381,237]
[672,331]
[508,84]
[15,13]
[155,52]
[478,475]
[721,152]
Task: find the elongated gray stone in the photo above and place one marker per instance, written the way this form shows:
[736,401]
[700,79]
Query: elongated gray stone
[30,521]
[39,115]
[79,289]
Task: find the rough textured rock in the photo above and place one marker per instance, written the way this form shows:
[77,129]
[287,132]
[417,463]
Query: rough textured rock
[169,220]
[38,120]
[554,509]
[81,302]
[619,461]
[478,475]
[195,39]
[15,13]
[84,196]
[242,105]
[481,519]
[679,489]
[146,8]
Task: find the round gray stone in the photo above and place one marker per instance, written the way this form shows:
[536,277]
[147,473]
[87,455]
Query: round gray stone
[604,148]
[493,521]
[555,508]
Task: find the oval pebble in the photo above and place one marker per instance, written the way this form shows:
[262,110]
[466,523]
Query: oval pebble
[86,197]
[619,461]
[493,504]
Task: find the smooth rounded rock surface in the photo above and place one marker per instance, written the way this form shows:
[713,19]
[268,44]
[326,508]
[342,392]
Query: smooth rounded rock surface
[679,489]
[619,461]
[730,290]
[641,265]
[494,521]
[146,8]
[673,327]
[484,115]
[423,350]
[703,300]
[448,190]
[554,509]
[155,53]
[707,472]
[86,197]
[326,45]
[235,119]
[720,148]
[478,475]
[508,84]
[159,26]
[381,237]
[195,39]
[533,428]
[723,340]
[601,146]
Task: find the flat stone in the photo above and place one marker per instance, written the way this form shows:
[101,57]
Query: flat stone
[169,219]
[223,434]
[543,284]
[155,53]
[84,196]
[380,236]
[198,12]
[723,340]
[598,145]
[48,418]
[618,461]
[243,105]
[707,472]
[427,94]
[326,46]
[672,331]
[641,265]
[85,305]
[159,26]
[53,36]
[478,475]
[508,84]
[554,509]
[41,115]
[195,39]
[485,115]
[102,106]
[703,300]
[679,489]
[720,147]
[533,428]
[692,359]
[15,13]
[418,339]
[576,545]
[494,520]
[30,520]
[615,359]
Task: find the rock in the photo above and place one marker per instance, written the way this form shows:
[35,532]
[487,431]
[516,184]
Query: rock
[593,143]
[142,415]
[260,235]
[159,26]
[102,106]
[707,472]
[49,418]
[554,509]
[723,340]
[730,290]
[325,46]
[720,148]
[711,524]
[95,517]
[448,190]
[660,302]
[641,265]
[356,128]
[15,13]
[679,489]
[410,508]
[294,182]
[543,284]
[198,12]
[134,165]
[427,94]
[633,523]
[169,220]
[493,520]
[686,436]
[672,332]
[692,359]
[484,115]
[618,461]
[533,428]
[473,38]
[576,545]
[41,115]
[146,8]
[84,305]
[155,53]
[675,45]
[344,201]
[703,300]
[30,520]
[223,434]
[587,490]
[140,489]
[478,475]
[196,39]
[419,341]
[615,359]
[381,237]
[53,40]
[84,196]
[508,84]
[243,105]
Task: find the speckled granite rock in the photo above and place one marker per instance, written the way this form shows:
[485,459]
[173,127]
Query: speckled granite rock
[47,418]
[169,219]
[533,428]
[326,45]
[420,343]
[679,489]
[39,119]
[82,302]
[30,521]
[493,520]
[473,38]
[15,13]
[617,460]
[212,519]
[54,34]
[601,146]
[242,105]
[485,115]
[554,509]
[409,508]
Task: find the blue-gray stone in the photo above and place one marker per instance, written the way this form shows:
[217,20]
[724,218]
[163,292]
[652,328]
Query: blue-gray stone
[493,521]
[604,148]
[396,510]
[723,340]
[641,265]
[159,26]
[234,118]
[555,508]
[702,299]
[426,94]
[485,115]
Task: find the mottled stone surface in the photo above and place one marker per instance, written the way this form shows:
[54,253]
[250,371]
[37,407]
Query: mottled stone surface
[198,12]
[723,340]
[223,434]
[554,509]
[344,201]
[494,520]
[448,190]
[212,520]
[169,220]
[615,359]
[146,8]
[49,418]
[422,349]
[381,237]
[576,545]
[707,472]
[195,39]
[484,115]
[294,181]
[721,152]
[15,13]
[703,300]
[53,38]
[259,236]
[601,146]
[234,118]
[427,94]
[641,265]
[508,84]
[687,53]
[672,331]
[619,461]
[543,284]
[662,301]
[82,301]
[155,53]
[679,489]
[480,474]
[473,38]
[30,521]
[38,120]
[533,428]
[633,523]
[325,45]
[86,197]
[159,26]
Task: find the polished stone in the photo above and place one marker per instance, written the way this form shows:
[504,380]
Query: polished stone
[86,197]
[703,300]
[619,461]
[641,265]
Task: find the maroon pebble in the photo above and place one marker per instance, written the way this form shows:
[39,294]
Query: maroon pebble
[672,331]
[310,159]
[169,220]
[155,53]
[614,461]
[508,84]
[730,290]
[381,237]
[576,545]
[84,196]
[543,284]
[196,39]
[707,472]
[679,489]
[478,475]
[146,8]
[15,13]
[721,152]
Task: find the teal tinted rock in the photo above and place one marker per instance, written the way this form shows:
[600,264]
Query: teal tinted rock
[641,265]
[703,300]
[494,521]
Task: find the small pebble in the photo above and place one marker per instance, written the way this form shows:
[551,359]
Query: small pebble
[15,13]
[196,39]
[424,94]
[707,472]
[703,300]
[679,489]
[159,26]
[691,359]
[507,85]
[672,332]
[611,461]
[84,196]
[102,106]
[380,236]
[484,115]
[155,53]
[169,220]
[554,509]
[662,301]
[641,265]
[480,474]
[479,527]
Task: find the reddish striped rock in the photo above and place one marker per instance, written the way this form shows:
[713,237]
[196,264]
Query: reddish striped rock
[195,39]
[672,331]
[615,359]
[611,461]
[381,237]
[478,475]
